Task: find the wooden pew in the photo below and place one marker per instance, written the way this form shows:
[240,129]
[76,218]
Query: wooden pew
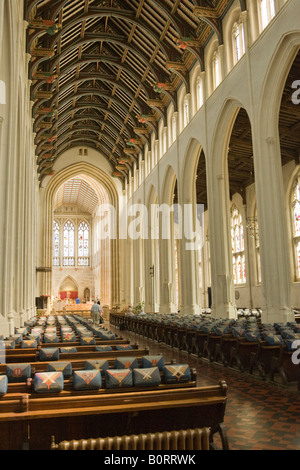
[77,345]
[78,362]
[264,358]
[83,355]
[241,354]
[30,423]
[14,389]
[285,368]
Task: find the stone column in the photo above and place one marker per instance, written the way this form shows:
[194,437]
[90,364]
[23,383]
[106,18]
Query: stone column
[223,297]
[149,294]
[166,261]
[272,226]
[189,245]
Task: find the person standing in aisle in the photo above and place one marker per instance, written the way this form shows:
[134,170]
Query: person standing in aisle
[95,312]
[100,313]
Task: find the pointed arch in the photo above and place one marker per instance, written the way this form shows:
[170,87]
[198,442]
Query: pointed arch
[107,193]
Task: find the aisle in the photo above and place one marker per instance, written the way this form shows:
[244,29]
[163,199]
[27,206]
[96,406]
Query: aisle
[259,415]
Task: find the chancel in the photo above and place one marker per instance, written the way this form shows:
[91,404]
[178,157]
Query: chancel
[149,164]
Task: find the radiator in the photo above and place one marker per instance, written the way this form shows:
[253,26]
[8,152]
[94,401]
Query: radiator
[188,439]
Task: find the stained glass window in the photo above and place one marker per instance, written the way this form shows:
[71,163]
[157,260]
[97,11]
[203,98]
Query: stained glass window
[83,244]
[56,244]
[69,244]
[238,247]
[296,224]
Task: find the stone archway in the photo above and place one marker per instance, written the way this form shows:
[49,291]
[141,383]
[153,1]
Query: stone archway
[107,194]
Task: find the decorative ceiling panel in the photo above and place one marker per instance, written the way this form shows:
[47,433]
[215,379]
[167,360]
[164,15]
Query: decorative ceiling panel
[77,192]
[105,71]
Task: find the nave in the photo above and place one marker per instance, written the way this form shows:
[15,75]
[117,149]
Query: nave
[259,415]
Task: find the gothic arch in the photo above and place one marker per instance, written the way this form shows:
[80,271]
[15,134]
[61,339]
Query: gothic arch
[274,82]
[107,193]
[168,184]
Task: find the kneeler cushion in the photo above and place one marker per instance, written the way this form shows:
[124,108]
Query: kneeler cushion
[68,350]
[9,344]
[291,345]
[35,336]
[18,372]
[51,329]
[123,347]
[126,363]
[153,361]
[68,337]
[106,335]
[177,373]
[252,336]
[66,329]
[17,338]
[28,343]
[3,385]
[85,340]
[99,364]
[49,354]
[118,378]
[103,348]
[87,379]
[274,340]
[51,338]
[48,382]
[64,367]
[146,377]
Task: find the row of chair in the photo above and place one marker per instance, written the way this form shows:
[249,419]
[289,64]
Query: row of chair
[244,343]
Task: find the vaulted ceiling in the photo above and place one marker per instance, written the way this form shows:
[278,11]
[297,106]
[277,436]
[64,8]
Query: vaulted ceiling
[105,71]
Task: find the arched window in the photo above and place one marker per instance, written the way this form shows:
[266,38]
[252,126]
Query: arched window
[83,244]
[199,92]
[216,69]
[238,247]
[174,127]
[69,244]
[267,12]
[296,225]
[186,111]
[56,244]
[238,41]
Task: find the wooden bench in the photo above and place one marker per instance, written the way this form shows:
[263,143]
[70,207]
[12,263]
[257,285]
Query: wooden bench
[33,357]
[264,358]
[79,364]
[241,354]
[15,389]
[113,343]
[285,368]
[27,422]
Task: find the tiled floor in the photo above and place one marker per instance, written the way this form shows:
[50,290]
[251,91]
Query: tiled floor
[259,414]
